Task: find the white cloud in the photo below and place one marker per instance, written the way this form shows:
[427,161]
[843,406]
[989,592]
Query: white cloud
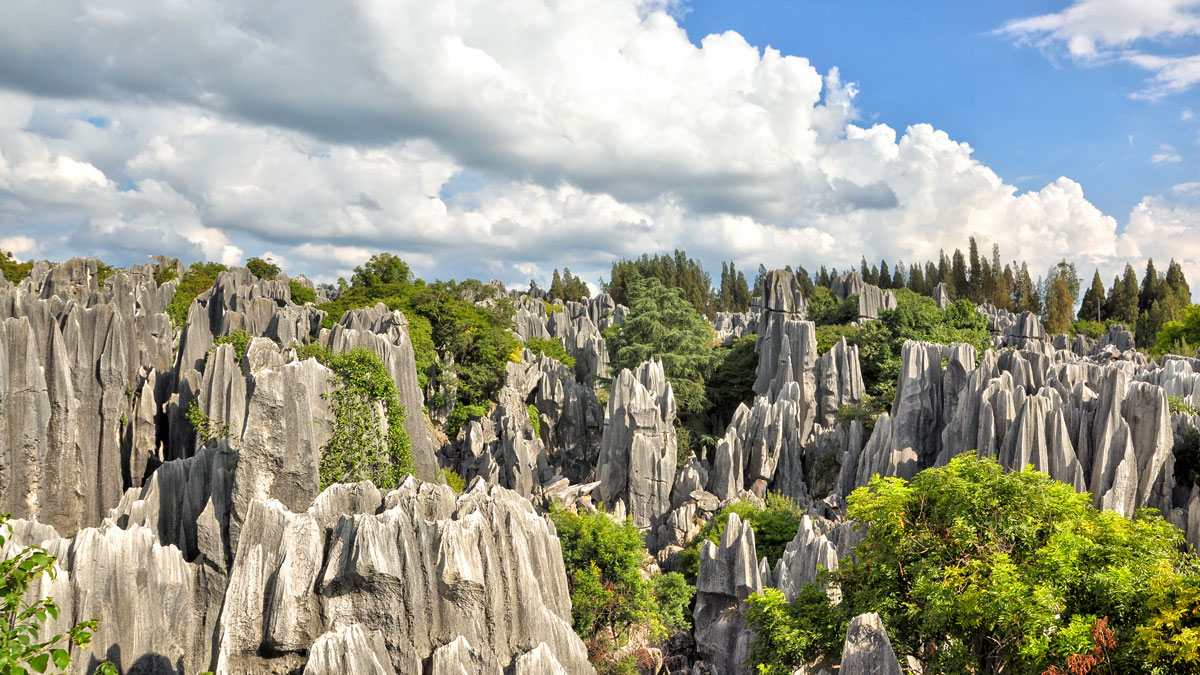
[1103,31]
[590,130]
[1165,155]
[1186,115]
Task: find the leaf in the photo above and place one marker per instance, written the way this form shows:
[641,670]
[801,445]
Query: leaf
[62,658]
[39,663]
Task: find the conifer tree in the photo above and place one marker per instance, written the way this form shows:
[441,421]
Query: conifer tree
[1091,309]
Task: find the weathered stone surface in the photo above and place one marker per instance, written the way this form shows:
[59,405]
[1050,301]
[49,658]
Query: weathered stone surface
[839,380]
[423,568]
[941,295]
[349,649]
[728,575]
[636,467]
[805,555]
[732,326]
[871,299]
[867,650]
[577,326]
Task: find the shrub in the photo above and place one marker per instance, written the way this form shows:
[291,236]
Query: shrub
[239,338]
[535,419]
[1092,329]
[613,600]
[301,294]
[977,569]
[198,278]
[463,413]
[552,348]
[360,448]
[104,272]
[1178,405]
[455,481]
[732,380]
[775,524]
[263,269]
[210,433]
[13,270]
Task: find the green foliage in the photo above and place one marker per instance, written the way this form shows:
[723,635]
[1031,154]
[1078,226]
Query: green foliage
[210,433]
[788,634]
[775,524]
[865,411]
[22,648]
[1181,336]
[1062,289]
[263,269]
[535,419]
[734,294]
[826,310]
[464,412]
[552,348]
[676,271]
[828,336]
[1178,405]
[363,446]
[612,600]
[448,319]
[198,278]
[301,294]
[13,270]
[240,340]
[455,481]
[662,324]
[1092,329]
[1171,637]
[104,272]
[732,378]
[977,569]
[165,275]
[567,287]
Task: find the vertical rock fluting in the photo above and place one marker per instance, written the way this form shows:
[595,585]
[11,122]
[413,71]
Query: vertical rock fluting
[867,650]
[728,575]
[422,568]
[636,467]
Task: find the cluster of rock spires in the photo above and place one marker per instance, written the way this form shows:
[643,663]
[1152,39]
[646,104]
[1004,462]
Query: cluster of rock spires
[220,551]
[250,567]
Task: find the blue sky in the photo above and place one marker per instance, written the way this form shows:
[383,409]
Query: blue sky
[504,140]
[1030,114]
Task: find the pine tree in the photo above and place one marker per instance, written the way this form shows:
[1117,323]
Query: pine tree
[916,280]
[1151,290]
[958,275]
[557,292]
[898,280]
[805,280]
[864,270]
[823,279]
[975,290]
[1122,303]
[885,275]
[1000,291]
[1093,300]
[1025,297]
[1178,285]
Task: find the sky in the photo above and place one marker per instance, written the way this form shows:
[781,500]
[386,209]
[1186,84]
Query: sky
[503,140]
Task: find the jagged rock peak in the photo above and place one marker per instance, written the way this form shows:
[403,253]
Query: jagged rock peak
[867,650]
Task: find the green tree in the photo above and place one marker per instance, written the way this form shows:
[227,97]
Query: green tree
[382,269]
[673,271]
[14,271]
[975,274]
[197,279]
[1181,336]
[1093,301]
[1122,303]
[263,269]
[1062,288]
[662,324]
[732,379]
[556,291]
[974,568]
[958,276]
[614,600]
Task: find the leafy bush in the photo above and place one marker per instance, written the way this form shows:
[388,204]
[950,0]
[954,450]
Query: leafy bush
[826,310]
[1092,329]
[13,270]
[210,433]
[793,633]
[360,448]
[239,338]
[455,481]
[1182,336]
[977,569]
[301,294]
[263,269]
[464,412]
[21,621]
[535,419]
[1178,405]
[104,272]
[613,601]
[165,275]
[865,411]
[828,336]
[198,278]
[552,348]
[775,524]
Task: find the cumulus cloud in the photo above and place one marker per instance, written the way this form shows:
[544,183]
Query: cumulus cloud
[1103,31]
[472,138]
